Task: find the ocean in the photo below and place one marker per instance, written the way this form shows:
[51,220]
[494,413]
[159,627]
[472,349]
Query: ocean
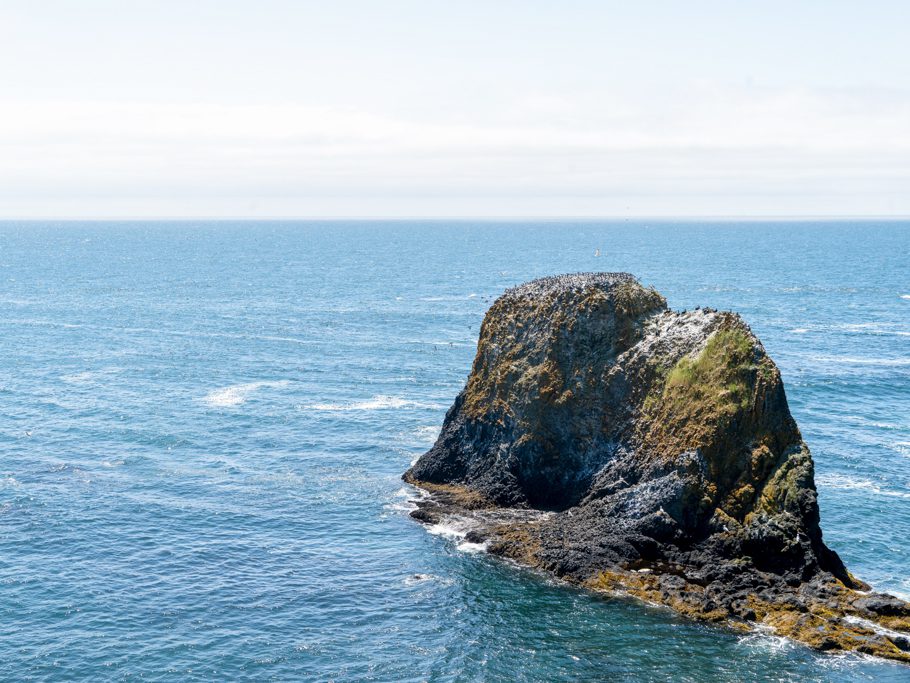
[205,423]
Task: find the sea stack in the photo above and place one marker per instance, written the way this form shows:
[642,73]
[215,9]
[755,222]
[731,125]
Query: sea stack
[632,449]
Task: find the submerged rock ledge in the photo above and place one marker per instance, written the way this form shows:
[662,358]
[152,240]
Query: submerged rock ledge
[631,449]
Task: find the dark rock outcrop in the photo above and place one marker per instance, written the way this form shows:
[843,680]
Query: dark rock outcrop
[625,447]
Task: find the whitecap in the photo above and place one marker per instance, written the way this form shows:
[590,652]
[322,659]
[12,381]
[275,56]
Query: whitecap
[90,375]
[905,296]
[405,499]
[454,297]
[406,506]
[859,419]
[855,360]
[844,482]
[455,529]
[874,328]
[799,330]
[427,434]
[374,403]
[448,530]
[763,639]
[872,626]
[236,394]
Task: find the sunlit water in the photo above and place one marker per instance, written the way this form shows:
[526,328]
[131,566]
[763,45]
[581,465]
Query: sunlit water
[204,426]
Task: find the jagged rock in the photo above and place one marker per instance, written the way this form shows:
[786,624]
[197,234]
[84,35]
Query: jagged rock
[626,447]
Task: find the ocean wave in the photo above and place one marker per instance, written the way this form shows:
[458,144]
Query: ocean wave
[905,296]
[865,623]
[90,375]
[454,297]
[405,506]
[844,482]
[799,330]
[763,640]
[856,360]
[437,343]
[456,529]
[376,403]
[452,530]
[874,328]
[36,322]
[468,547]
[426,435]
[236,394]
[405,499]
[878,424]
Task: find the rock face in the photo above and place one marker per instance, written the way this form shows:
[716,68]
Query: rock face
[628,448]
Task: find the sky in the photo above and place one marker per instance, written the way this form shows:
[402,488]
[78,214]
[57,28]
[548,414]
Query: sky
[499,108]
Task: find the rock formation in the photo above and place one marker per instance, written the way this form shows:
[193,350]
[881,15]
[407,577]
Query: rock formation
[627,448]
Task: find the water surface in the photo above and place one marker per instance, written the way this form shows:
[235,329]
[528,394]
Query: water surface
[205,424]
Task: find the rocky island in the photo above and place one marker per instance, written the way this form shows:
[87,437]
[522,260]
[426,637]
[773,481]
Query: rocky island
[631,449]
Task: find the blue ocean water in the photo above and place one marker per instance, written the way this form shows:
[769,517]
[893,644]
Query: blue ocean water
[204,425]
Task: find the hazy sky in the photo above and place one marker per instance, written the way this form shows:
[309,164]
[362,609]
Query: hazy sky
[493,108]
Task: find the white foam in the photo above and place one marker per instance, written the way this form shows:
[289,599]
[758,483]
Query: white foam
[405,499]
[767,642]
[856,360]
[879,328]
[905,296]
[799,330]
[427,435]
[865,623]
[238,393]
[455,529]
[447,530]
[90,375]
[406,506]
[859,419]
[375,403]
[454,297]
[78,377]
[844,482]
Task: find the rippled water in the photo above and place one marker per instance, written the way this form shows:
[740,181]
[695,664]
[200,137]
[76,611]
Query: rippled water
[204,426]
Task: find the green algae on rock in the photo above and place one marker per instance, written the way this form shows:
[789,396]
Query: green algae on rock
[625,447]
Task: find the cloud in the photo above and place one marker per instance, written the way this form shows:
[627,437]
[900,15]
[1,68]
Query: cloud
[706,141]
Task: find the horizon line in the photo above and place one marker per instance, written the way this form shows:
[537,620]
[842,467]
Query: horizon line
[511,218]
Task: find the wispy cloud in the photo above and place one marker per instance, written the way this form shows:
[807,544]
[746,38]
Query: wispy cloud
[704,141]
